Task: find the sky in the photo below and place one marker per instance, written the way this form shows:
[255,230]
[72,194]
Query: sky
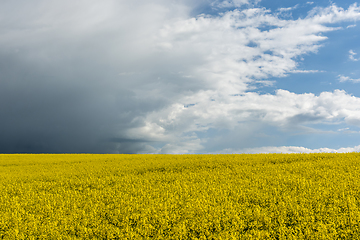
[179,76]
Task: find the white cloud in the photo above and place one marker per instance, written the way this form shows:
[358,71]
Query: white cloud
[292,149]
[224,44]
[343,78]
[352,56]
[284,109]
[288,8]
[233,3]
[351,26]
[236,53]
[305,71]
[334,14]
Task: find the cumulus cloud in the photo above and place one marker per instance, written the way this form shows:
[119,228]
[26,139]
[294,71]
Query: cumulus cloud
[140,76]
[284,109]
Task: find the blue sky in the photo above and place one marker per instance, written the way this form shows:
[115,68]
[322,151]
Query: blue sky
[181,76]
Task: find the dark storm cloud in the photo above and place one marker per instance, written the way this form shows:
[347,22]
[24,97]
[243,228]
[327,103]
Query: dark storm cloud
[60,88]
[39,113]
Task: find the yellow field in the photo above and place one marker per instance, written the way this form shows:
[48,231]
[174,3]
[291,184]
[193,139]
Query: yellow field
[262,196]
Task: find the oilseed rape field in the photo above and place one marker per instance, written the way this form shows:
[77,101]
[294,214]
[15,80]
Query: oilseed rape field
[244,196]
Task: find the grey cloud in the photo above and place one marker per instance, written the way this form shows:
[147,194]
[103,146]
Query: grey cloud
[305,118]
[353,121]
